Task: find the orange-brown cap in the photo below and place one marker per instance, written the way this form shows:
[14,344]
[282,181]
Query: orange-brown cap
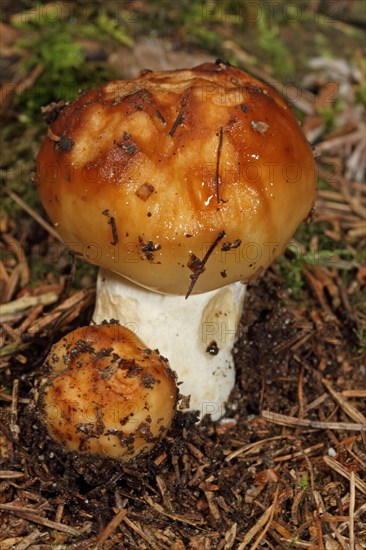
[200,174]
[106,394]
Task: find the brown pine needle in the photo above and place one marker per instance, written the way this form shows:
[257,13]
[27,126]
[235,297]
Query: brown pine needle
[268,525]
[33,214]
[254,447]
[14,428]
[342,541]
[10,474]
[110,527]
[349,409]
[35,518]
[268,514]
[25,302]
[299,454]
[138,530]
[342,470]
[354,393]
[352,501]
[359,513]
[28,541]
[294,422]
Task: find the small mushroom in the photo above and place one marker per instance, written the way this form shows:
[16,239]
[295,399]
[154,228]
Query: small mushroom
[106,394]
[179,184]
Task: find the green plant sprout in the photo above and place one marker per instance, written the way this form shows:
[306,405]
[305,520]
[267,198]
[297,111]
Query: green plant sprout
[292,265]
[304,482]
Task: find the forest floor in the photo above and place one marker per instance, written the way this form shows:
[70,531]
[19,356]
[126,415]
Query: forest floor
[286,466]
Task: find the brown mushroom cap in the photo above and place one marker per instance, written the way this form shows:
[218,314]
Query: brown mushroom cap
[106,394]
[145,177]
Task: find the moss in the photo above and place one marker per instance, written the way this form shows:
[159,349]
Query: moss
[270,41]
[56,50]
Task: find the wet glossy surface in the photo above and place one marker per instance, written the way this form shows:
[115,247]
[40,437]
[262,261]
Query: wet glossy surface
[220,151]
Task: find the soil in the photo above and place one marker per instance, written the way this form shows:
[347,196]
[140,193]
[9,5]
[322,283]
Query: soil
[286,465]
[204,479]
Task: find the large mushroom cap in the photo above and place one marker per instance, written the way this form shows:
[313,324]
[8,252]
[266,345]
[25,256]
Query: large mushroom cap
[148,177]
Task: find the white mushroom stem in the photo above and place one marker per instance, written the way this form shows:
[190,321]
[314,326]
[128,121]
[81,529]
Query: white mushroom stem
[196,335]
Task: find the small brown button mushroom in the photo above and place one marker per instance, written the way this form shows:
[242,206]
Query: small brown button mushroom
[106,394]
[187,183]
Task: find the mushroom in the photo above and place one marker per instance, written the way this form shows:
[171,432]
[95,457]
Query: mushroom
[105,393]
[179,184]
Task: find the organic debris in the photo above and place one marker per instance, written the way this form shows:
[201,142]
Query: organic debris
[286,466]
